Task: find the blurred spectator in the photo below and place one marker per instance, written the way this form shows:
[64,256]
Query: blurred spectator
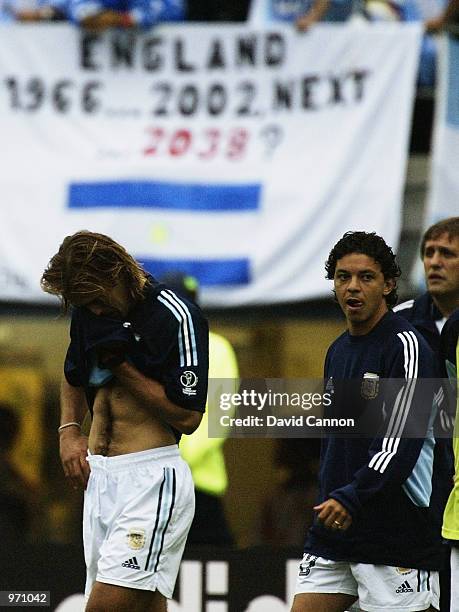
[224,10]
[99,15]
[42,10]
[6,13]
[420,10]
[17,495]
[306,13]
[302,12]
[450,14]
[412,10]
[325,10]
[288,513]
[33,10]
[203,454]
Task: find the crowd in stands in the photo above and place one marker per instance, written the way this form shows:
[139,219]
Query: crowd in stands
[95,14]
[305,13]
[102,14]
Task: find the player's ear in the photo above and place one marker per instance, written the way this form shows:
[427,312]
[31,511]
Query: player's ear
[389,286]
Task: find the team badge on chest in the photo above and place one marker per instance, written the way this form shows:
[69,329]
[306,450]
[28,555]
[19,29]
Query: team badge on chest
[136,539]
[370,386]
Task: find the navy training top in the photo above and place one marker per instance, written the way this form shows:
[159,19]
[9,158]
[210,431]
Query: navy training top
[166,338]
[424,315]
[384,481]
[449,340]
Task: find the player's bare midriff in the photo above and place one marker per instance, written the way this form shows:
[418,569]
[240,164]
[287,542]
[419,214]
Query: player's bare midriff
[122,425]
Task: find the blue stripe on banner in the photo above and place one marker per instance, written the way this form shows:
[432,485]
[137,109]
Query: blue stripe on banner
[452,106]
[208,272]
[155,194]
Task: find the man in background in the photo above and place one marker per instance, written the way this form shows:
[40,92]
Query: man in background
[440,256]
[428,313]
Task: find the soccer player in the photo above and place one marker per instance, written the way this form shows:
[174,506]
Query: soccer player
[374,538]
[138,359]
[428,313]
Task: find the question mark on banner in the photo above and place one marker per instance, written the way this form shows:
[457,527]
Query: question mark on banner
[272,135]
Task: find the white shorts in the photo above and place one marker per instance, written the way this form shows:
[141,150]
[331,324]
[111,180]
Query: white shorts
[138,509]
[378,587]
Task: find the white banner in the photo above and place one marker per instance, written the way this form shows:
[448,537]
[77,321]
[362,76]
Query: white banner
[444,190]
[236,155]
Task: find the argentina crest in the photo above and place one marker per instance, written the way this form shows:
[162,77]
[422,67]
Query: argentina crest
[369,388]
[136,538]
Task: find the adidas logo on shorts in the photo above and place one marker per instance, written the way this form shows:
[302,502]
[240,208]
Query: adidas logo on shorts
[132,563]
[307,564]
[404,588]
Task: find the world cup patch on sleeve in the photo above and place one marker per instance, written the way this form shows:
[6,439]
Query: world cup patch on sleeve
[189,380]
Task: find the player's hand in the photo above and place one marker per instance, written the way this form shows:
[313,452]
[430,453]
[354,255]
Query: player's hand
[333,515]
[304,23]
[73,448]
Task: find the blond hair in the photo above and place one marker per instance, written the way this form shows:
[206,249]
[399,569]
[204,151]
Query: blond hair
[87,265]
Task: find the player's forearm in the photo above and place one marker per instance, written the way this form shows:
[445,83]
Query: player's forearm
[152,396]
[318,9]
[73,445]
[388,467]
[108,19]
[73,403]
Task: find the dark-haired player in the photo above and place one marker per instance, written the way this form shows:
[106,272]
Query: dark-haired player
[138,358]
[373,537]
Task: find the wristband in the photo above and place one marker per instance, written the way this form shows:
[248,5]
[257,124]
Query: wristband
[71,424]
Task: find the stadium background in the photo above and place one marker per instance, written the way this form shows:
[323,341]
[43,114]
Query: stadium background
[33,341]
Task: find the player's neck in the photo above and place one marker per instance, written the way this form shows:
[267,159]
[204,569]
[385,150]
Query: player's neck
[362,328]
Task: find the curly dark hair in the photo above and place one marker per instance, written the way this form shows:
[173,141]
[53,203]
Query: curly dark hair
[372,245]
[89,264]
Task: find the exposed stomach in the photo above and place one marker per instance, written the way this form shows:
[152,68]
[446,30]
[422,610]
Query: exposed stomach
[122,425]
